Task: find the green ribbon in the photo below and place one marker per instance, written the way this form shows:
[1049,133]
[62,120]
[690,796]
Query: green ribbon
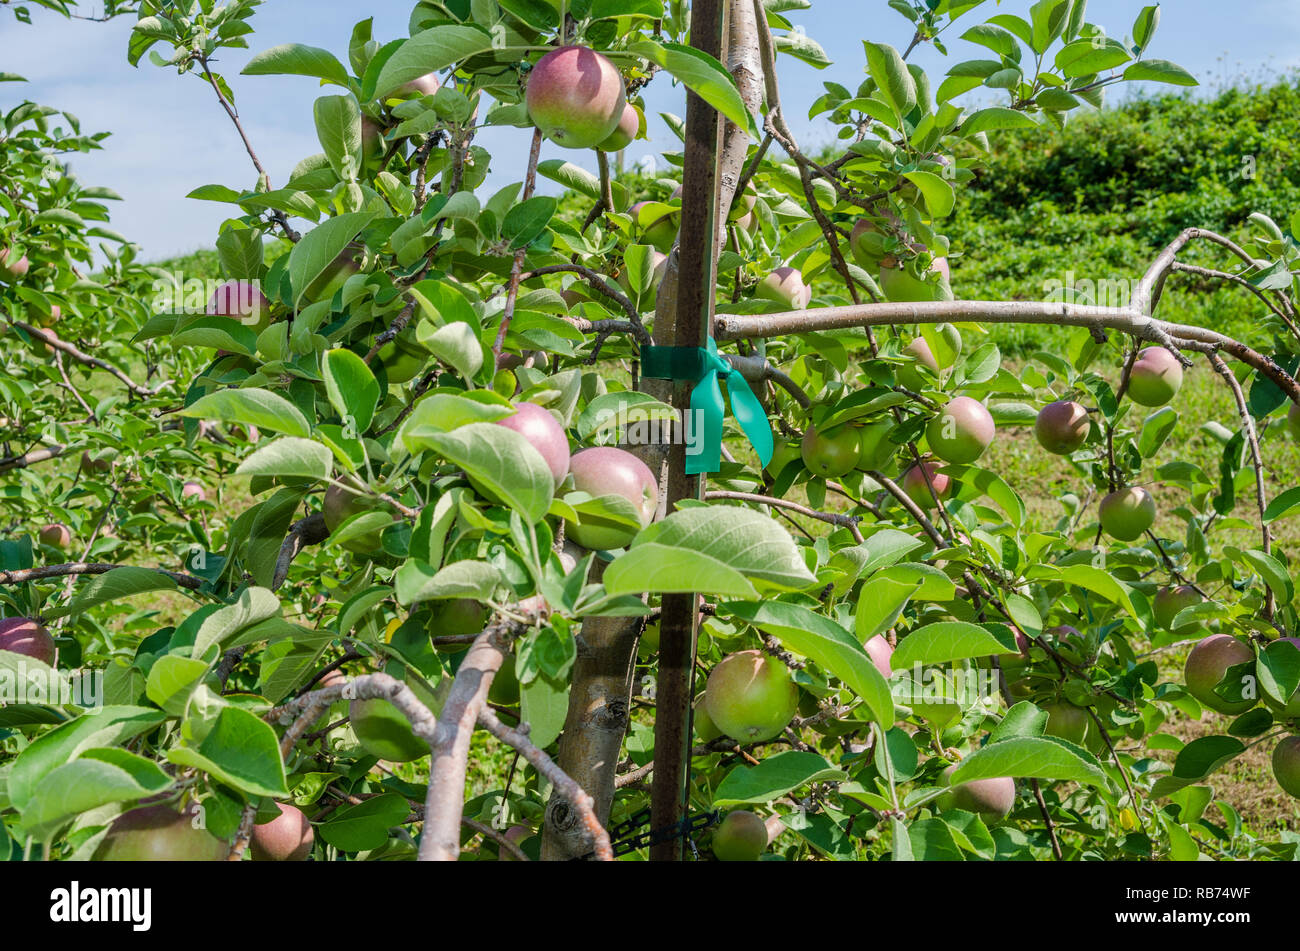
[703,366]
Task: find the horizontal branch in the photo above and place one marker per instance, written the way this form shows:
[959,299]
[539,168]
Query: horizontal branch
[58,343]
[31,458]
[22,576]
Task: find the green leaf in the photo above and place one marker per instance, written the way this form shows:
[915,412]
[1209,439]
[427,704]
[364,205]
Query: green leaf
[254,407]
[1099,582]
[503,462]
[99,777]
[1032,757]
[253,606]
[526,221]
[429,51]
[741,538]
[700,73]
[1155,430]
[1160,71]
[880,602]
[892,76]
[652,568]
[544,704]
[1284,506]
[114,585]
[416,581]
[364,826]
[289,457]
[773,777]
[338,127]
[239,750]
[1274,574]
[939,196]
[297,60]
[944,641]
[319,248]
[626,408]
[994,119]
[352,389]
[172,680]
[822,640]
[456,344]
[216,333]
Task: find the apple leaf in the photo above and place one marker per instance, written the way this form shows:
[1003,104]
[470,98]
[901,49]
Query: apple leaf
[429,51]
[241,751]
[365,825]
[1032,757]
[945,641]
[503,462]
[320,247]
[295,59]
[351,388]
[773,777]
[289,457]
[251,407]
[99,777]
[654,568]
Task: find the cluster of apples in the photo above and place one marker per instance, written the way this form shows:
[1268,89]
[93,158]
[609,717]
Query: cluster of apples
[878,250]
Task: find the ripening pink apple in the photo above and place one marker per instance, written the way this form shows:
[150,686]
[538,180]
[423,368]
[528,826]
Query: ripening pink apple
[192,490]
[1127,513]
[159,833]
[629,124]
[1155,378]
[286,838]
[544,433]
[914,484]
[575,96]
[880,652]
[243,301]
[909,377]
[21,635]
[372,139]
[740,837]
[1286,765]
[56,535]
[12,269]
[990,799]
[1206,666]
[425,85]
[785,286]
[875,451]
[515,835]
[1062,427]
[962,431]
[606,470]
[750,696]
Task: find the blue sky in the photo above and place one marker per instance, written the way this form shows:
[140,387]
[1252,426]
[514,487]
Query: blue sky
[170,135]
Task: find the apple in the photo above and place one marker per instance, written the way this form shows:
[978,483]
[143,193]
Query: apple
[425,85]
[1066,721]
[243,301]
[383,731]
[575,96]
[605,470]
[743,204]
[962,431]
[902,286]
[457,616]
[1286,765]
[29,637]
[741,837]
[784,452]
[875,451]
[159,833]
[339,505]
[1127,513]
[750,696]
[705,729]
[47,320]
[56,535]
[544,433]
[785,286]
[629,124]
[1168,602]
[13,270]
[880,652]
[1062,427]
[1155,378]
[192,490]
[1206,666]
[1293,420]
[832,454]
[515,834]
[908,376]
[505,683]
[403,358]
[914,484]
[990,799]
[286,838]
[660,234]
[868,239]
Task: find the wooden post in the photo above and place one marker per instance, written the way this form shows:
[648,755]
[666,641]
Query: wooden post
[696,255]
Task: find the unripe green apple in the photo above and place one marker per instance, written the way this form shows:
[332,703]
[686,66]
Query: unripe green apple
[1286,765]
[1168,602]
[403,358]
[629,124]
[1127,513]
[875,451]
[990,799]
[242,301]
[544,433]
[784,452]
[902,286]
[159,833]
[1062,427]
[338,506]
[914,484]
[750,696]
[13,269]
[660,234]
[505,683]
[454,616]
[908,376]
[962,431]
[833,454]
[785,286]
[575,96]
[705,729]
[1066,721]
[605,470]
[741,837]
[331,280]
[29,637]
[1206,666]
[383,731]
[56,535]
[1155,378]
[743,204]
[286,838]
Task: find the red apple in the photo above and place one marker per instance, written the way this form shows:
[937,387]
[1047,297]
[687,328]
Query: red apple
[606,470]
[286,838]
[962,431]
[21,635]
[1062,427]
[244,302]
[56,535]
[785,286]
[914,484]
[544,433]
[575,96]
[1206,666]
[1156,377]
